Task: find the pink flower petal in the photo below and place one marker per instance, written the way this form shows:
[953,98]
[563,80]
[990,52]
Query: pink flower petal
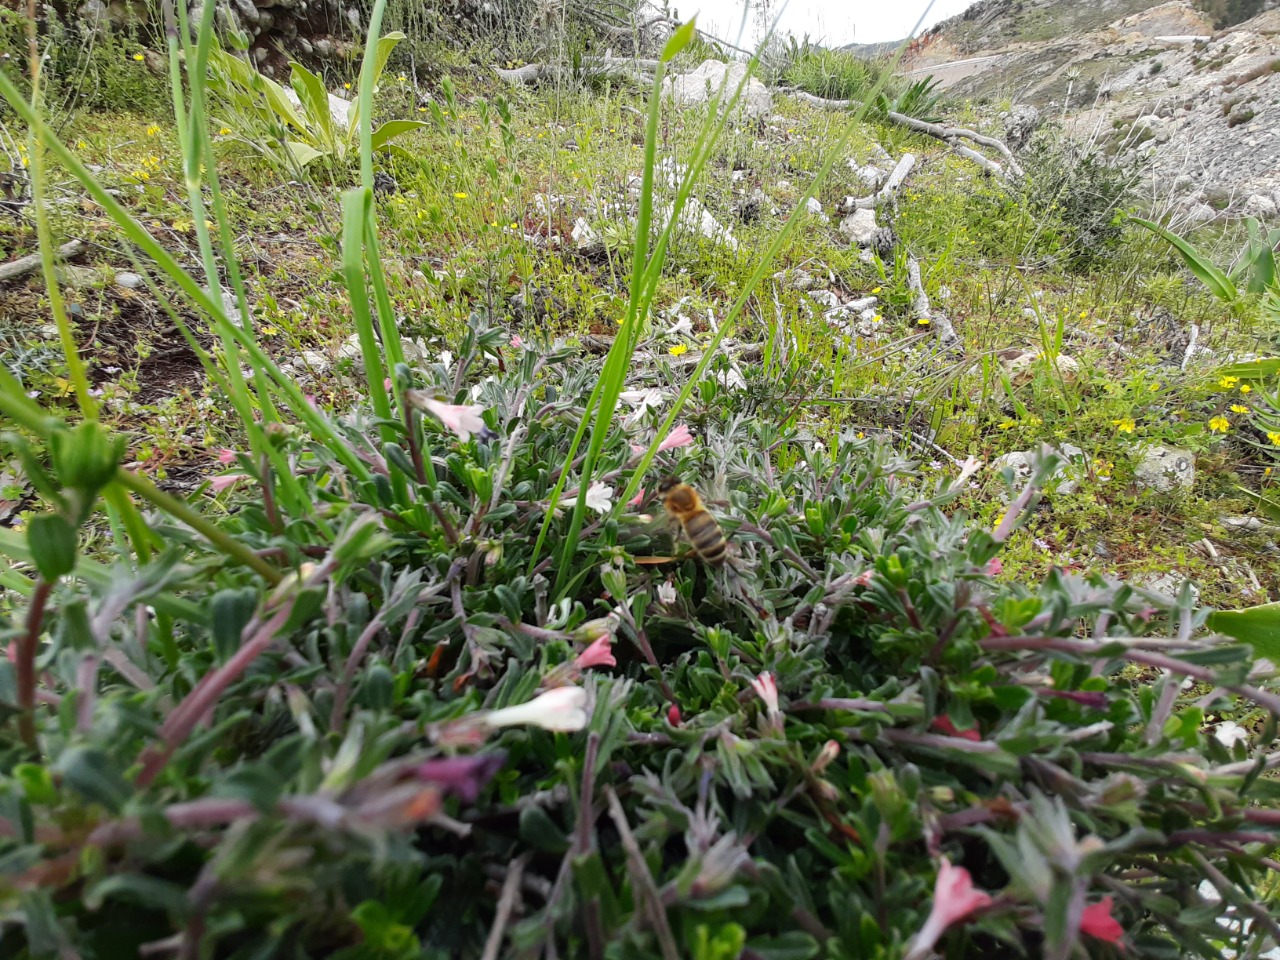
[679,437]
[226,456]
[954,899]
[599,654]
[945,724]
[637,499]
[1097,922]
[227,479]
[995,567]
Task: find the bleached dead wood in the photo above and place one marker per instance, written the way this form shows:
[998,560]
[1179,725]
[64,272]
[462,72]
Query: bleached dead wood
[24,265]
[948,135]
[595,66]
[924,310]
[887,192]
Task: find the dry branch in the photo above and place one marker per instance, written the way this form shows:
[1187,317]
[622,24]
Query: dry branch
[924,310]
[948,135]
[596,66]
[890,189]
[24,265]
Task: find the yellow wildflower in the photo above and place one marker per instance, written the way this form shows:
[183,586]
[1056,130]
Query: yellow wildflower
[1084,314]
[153,130]
[80,145]
[224,132]
[459,195]
[1239,408]
[1226,383]
[1245,388]
[139,57]
[678,350]
[1006,425]
[875,290]
[1274,437]
[1219,425]
[1125,424]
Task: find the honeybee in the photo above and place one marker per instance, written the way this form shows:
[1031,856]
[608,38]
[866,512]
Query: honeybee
[683,504]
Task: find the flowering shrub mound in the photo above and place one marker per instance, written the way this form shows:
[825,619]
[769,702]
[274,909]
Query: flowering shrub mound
[434,738]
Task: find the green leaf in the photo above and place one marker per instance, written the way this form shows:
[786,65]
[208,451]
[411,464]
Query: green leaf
[303,153]
[679,40]
[541,832]
[92,774]
[135,888]
[793,945]
[230,612]
[1257,626]
[53,545]
[1219,283]
[381,55]
[315,102]
[392,129]
[1262,369]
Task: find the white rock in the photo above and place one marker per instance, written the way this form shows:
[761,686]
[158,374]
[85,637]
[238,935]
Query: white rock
[700,85]
[1201,213]
[1021,366]
[1166,468]
[130,281]
[825,298]
[1065,479]
[1262,207]
[339,109]
[860,227]
[814,207]
[585,237]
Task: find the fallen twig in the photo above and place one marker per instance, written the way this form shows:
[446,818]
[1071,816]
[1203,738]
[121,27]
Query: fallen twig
[24,265]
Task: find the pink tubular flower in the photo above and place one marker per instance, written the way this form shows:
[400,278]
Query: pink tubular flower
[637,499]
[679,437]
[227,479]
[462,419]
[226,456]
[1098,922]
[767,689]
[517,341]
[954,899]
[995,567]
[673,715]
[598,654]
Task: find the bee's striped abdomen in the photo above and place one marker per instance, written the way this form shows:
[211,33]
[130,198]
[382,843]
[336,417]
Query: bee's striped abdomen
[706,537]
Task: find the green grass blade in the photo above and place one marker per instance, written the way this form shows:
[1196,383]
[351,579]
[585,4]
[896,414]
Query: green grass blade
[1219,283]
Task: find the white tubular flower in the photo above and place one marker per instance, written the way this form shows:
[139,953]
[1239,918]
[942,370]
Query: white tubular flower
[562,709]
[767,689]
[600,497]
[1229,733]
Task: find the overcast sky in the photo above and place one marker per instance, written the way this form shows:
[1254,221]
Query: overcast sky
[832,22]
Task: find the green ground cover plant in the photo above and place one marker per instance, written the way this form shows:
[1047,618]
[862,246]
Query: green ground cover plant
[414,666]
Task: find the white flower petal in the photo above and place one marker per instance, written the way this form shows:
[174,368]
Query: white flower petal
[600,497]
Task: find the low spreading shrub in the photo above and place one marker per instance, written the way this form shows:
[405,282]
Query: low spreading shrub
[403,690]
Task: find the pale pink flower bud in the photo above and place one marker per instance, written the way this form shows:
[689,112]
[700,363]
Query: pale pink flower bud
[767,690]
[227,479]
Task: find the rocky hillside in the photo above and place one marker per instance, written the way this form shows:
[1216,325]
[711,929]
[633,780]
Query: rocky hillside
[1149,81]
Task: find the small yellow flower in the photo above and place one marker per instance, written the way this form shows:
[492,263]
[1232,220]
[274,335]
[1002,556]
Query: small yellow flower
[1274,437]
[1266,472]
[1006,425]
[139,57]
[860,435]
[153,130]
[459,195]
[224,132]
[270,331]
[1245,388]
[678,350]
[1226,383]
[875,290]
[1084,314]
[923,322]
[1238,408]
[1219,425]
[1124,424]
[80,145]
[1154,387]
